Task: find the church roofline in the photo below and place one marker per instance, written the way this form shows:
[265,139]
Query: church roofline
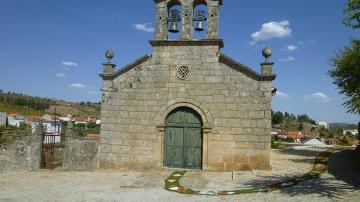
[244,69]
[205,42]
[125,69]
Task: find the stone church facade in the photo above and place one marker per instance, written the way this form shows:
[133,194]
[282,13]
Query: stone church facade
[187,105]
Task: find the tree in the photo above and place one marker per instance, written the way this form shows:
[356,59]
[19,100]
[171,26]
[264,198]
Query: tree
[346,73]
[301,127]
[352,14]
[277,118]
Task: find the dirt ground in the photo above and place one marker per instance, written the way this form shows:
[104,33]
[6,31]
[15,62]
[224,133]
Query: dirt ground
[340,184]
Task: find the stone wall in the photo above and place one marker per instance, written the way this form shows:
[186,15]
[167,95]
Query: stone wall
[235,108]
[80,153]
[22,155]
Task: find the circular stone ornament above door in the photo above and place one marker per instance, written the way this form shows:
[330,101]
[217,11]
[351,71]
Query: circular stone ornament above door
[183,72]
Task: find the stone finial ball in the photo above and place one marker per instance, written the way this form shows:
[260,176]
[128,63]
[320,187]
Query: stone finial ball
[267,52]
[109,54]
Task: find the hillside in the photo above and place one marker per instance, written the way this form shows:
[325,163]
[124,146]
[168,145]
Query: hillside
[37,106]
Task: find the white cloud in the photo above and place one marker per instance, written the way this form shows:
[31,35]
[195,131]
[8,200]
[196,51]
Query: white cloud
[287,59]
[272,30]
[282,94]
[308,43]
[290,48]
[146,27]
[69,63]
[319,97]
[60,75]
[79,86]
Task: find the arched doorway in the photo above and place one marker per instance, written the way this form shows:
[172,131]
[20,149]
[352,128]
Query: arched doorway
[183,139]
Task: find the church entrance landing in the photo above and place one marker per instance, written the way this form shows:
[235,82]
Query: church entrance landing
[183,139]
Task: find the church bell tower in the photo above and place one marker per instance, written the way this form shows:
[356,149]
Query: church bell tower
[185,17]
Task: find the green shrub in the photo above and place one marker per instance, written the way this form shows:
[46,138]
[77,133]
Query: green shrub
[276,145]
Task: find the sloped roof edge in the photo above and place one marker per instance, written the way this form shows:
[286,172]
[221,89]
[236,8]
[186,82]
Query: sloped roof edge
[244,69]
[125,69]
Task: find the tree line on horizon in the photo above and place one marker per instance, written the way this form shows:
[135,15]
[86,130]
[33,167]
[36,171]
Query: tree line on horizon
[34,102]
[279,118]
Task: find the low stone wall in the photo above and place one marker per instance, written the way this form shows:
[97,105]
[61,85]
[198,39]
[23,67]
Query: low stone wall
[22,155]
[81,154]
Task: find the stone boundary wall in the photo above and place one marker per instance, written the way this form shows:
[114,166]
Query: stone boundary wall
[80,153]
[22,155]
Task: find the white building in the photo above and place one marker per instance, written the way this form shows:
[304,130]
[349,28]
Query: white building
[323,124]
[2,118]
[52,128]
[67,118]
[16,120]
[353,132]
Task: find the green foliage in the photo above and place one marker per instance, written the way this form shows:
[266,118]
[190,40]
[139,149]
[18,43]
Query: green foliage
[276,145]
[92,125]
[280,140]
[10,133]
[346,75]
[352,14]
[83,130]
[301,127]
[35,103]
[289,139]
[3,140]
[81,125]
[348,133]
[345,141]
[304,118]
[277,117]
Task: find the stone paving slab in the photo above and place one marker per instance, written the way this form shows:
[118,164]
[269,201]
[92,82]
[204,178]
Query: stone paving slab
[114,185]
[286,164]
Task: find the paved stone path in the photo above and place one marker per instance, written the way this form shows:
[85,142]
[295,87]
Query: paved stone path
[340,184]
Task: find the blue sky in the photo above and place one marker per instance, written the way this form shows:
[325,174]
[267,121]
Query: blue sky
[55,48]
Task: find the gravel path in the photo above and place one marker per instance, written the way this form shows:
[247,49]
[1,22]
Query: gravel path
[114,185]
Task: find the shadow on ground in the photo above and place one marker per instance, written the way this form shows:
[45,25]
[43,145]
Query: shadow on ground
[342,179]
[323,187]
[345,166]
[301,151]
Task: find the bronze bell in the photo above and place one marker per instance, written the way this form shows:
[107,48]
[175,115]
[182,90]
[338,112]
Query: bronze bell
[199,26]
[173,28]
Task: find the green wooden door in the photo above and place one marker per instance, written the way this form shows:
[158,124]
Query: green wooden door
[183,139]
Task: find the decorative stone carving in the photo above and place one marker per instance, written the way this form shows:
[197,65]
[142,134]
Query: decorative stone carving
[183,72]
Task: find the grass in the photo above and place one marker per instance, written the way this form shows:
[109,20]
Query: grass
[19,109]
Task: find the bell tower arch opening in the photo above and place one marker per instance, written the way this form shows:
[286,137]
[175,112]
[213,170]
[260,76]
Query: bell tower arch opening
[174,25]
[200,19]
[187,20]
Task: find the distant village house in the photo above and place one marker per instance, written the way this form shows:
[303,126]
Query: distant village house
[16,119]
[3,119]
[322,124]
